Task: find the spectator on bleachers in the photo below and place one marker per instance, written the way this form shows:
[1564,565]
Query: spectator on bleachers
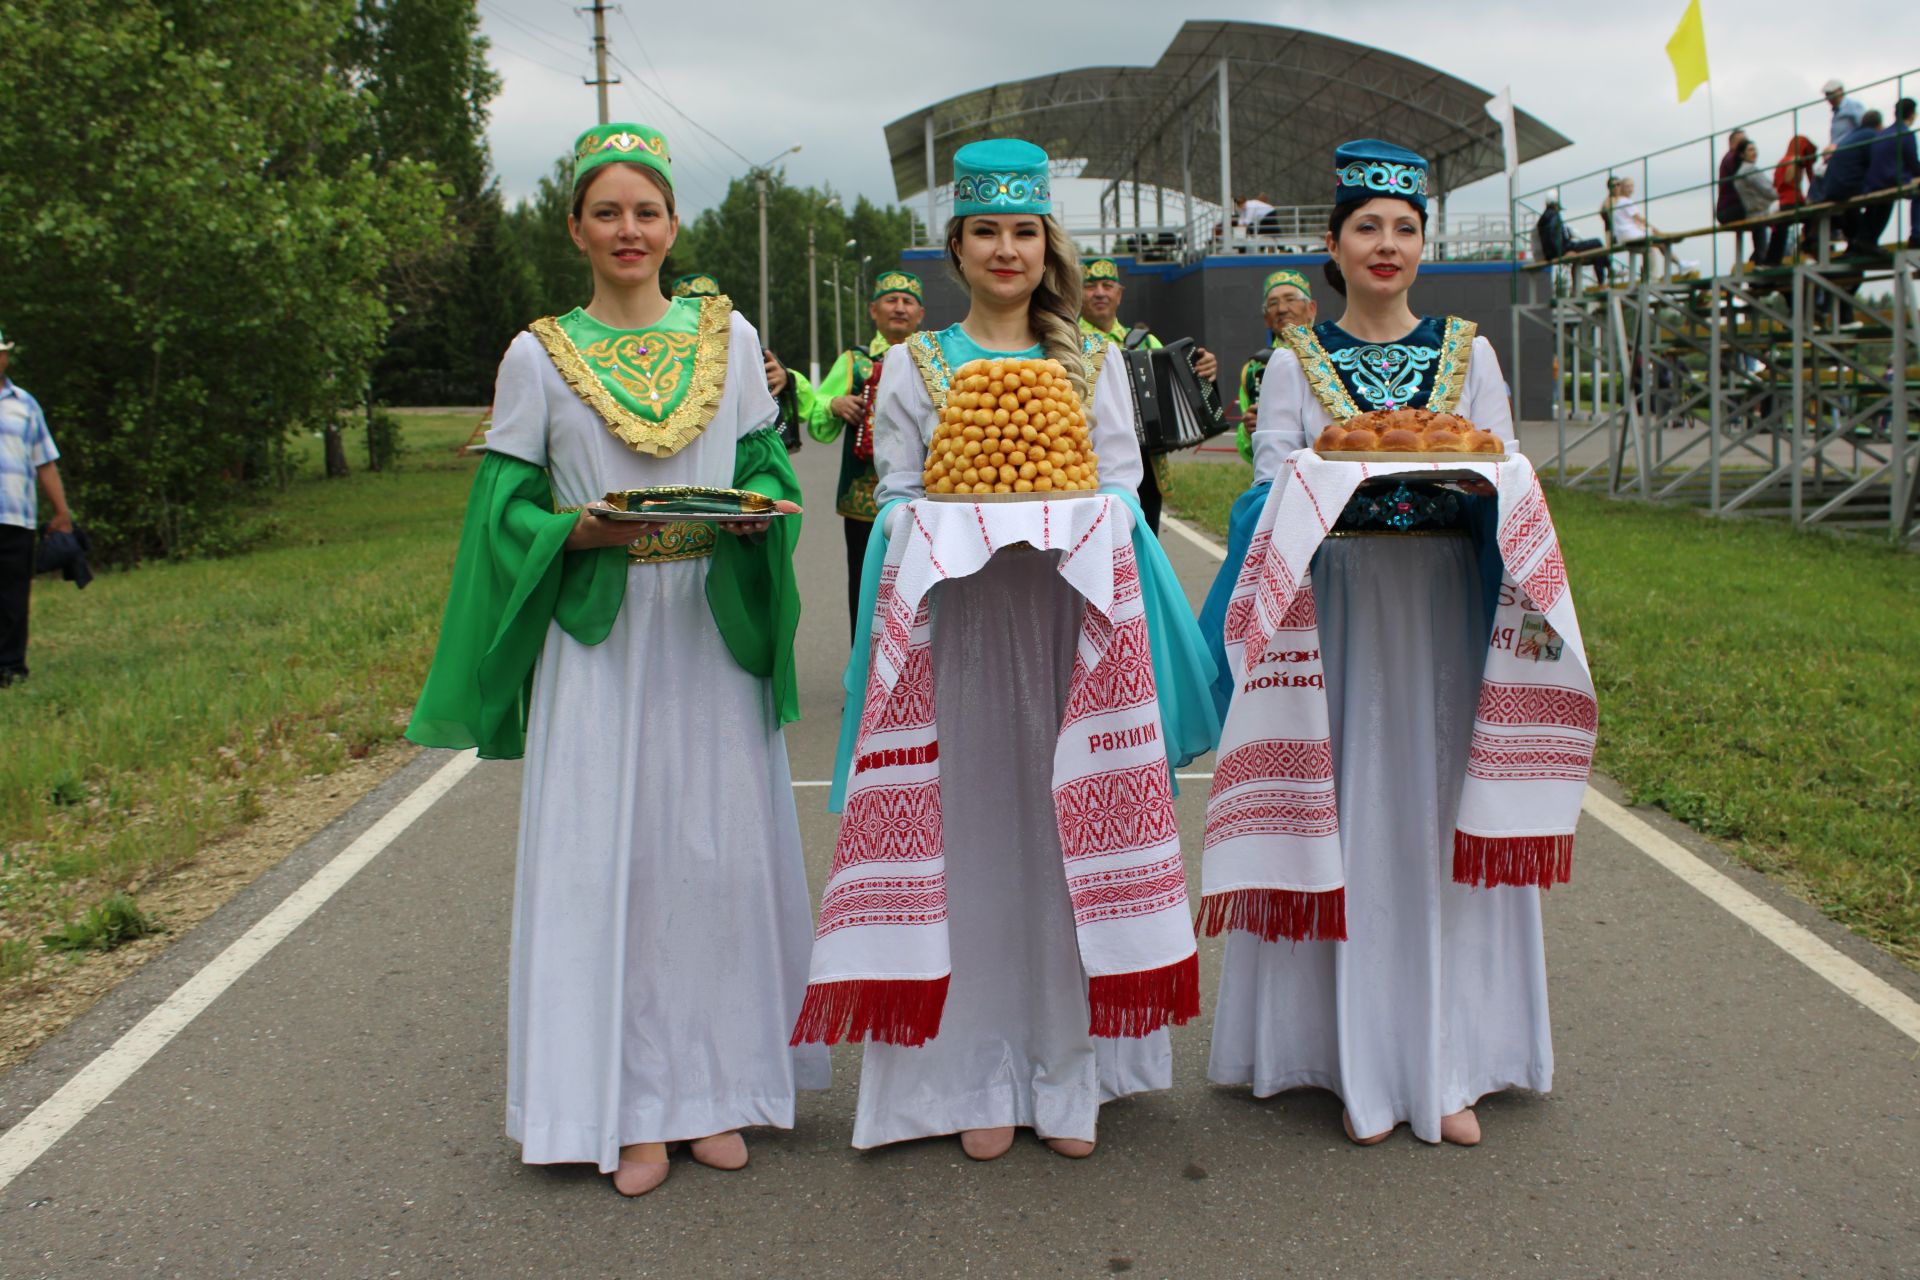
[1252,210]
[1628,226]
[1756,200]
[1790,178]
[1847,113]
[1729,206]
[1557,242]
[1847,178]
[1892,163]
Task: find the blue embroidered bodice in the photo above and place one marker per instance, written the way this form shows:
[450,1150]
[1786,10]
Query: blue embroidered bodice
[1393,506]
[1392,375]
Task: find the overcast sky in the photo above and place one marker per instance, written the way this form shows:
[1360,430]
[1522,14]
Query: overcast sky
[766,74]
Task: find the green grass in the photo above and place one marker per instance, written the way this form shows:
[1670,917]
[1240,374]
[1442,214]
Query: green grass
[1760,684]
[167,702]
[106,926]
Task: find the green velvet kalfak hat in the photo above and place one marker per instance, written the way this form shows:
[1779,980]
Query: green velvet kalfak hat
[1286,275]
[1001,175]
[697,285]
[898,282]
[1099,269]
[607,143]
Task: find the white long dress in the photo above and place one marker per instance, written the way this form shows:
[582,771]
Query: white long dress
[1439,994]
[1013,1047]
[661,922]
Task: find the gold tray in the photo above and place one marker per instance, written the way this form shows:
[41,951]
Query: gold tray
[1055,496]
[1343,455]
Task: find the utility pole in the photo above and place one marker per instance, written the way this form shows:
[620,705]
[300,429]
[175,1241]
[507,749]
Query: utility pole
[600,81]
[760,179]
[839,335]
[813,313]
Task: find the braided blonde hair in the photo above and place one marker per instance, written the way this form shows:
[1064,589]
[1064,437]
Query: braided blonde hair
[1054,309]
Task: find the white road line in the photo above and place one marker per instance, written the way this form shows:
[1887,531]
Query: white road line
[1790,936]
[1194,536]
[27,1141]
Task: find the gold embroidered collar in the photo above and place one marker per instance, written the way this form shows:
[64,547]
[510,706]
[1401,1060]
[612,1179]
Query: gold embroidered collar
[702,363]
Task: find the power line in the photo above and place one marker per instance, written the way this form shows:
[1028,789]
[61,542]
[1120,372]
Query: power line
[569,51]
[661,94]
[527,57]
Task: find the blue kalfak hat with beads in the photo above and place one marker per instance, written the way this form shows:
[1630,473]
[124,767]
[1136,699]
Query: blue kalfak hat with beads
[1368,168]
[1001,175]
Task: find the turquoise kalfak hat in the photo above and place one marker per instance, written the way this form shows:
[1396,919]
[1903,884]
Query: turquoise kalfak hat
[1001,175]
[1368,168]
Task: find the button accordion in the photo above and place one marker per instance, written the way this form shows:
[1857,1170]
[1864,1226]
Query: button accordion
[863,431]
[1173,407]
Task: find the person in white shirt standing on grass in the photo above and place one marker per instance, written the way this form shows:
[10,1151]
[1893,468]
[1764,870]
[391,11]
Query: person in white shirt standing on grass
[27,456]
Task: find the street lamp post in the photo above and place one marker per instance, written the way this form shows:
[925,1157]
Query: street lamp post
[760,176]
[840,343]
[860,278]
[813,302]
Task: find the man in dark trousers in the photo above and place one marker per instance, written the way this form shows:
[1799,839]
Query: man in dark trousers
[1892,164]
[27,462]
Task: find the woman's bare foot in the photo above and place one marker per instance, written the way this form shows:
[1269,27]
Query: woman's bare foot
[987,1144]
[1462,1128]
[1071,1148]
[1346,1122]
[643,1166]
[721,1151]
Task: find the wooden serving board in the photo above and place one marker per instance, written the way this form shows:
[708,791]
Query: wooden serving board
[1343,455]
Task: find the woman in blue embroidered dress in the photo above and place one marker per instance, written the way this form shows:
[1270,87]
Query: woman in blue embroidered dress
[1438,996]
[1013,1048]
[660,916]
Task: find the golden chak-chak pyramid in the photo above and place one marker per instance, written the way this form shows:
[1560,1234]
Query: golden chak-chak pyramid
[1011,426]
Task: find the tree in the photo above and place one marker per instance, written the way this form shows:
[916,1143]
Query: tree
[194,250]
[423,65]
[538,227]
[724,242]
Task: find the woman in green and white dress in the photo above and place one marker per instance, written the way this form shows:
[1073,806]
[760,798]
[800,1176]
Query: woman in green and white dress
[661,917]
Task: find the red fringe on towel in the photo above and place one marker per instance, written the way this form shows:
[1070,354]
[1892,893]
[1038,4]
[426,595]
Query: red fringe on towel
[1139,1004]
[905,1012]
[1512,860]
[1273,914]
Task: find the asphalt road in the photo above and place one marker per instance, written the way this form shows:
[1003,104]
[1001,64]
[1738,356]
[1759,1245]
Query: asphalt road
[1719,1110]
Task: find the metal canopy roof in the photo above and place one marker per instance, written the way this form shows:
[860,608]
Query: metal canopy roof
[1295,95]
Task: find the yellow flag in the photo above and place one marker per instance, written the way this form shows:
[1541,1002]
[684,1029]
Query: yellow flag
[1687,50]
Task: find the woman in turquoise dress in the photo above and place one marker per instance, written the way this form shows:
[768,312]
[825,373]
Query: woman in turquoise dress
[1014,1047]
[1438,996]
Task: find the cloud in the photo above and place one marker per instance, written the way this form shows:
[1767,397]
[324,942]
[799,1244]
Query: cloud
[765,74]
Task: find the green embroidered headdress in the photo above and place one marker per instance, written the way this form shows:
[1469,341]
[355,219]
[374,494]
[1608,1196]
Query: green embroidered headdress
[1100,269]
[1285,275]
[897,282]
[606,143]
[697,285]
[1001,175]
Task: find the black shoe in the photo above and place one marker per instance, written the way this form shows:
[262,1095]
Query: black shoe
[12,675]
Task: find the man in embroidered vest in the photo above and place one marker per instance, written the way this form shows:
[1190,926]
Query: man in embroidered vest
[897,308]
[27,455]
[1288,301]
[1100,295]
[701,285]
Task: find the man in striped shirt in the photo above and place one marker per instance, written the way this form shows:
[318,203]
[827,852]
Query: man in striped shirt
[27,459]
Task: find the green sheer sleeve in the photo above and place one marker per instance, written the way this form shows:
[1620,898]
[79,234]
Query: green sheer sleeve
[821,422]
[750,585]
[511,577]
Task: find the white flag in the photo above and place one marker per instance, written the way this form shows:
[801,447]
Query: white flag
[1500,107]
